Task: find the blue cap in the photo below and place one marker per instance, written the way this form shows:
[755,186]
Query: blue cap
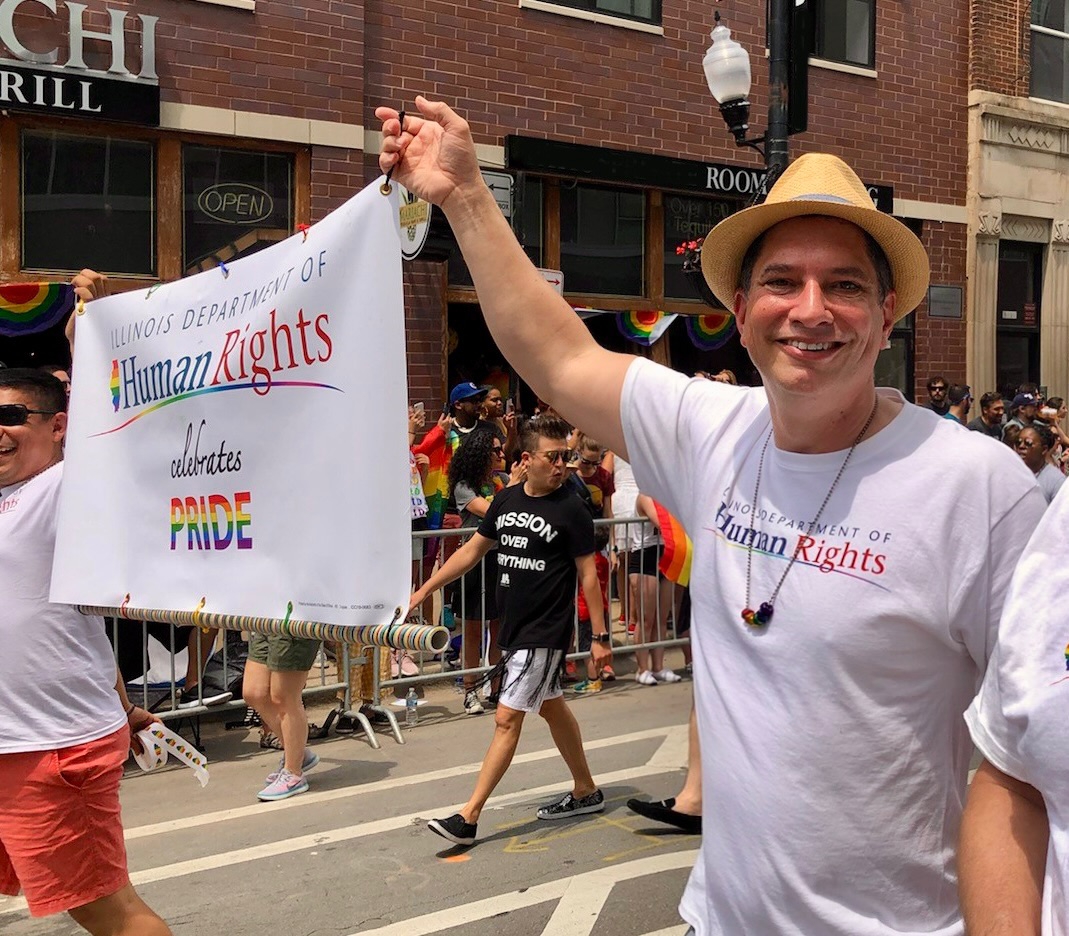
[1024,399]
[466,391]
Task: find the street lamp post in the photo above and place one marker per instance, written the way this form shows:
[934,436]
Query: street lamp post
[727,70]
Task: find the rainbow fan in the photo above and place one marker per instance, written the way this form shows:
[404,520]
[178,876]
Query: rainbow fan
[644,326]
[712,331]
[29,308]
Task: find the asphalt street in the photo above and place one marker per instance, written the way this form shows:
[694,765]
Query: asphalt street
[354,855]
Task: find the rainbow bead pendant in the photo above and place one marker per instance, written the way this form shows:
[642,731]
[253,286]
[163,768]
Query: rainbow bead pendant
[759,618]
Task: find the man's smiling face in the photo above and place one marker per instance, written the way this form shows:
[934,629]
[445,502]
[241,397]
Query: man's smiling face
[812,318]
[30,448]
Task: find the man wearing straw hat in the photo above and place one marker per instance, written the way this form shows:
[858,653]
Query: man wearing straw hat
[65,723]
[837,642]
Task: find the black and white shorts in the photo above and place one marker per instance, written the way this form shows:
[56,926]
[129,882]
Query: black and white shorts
[531,678]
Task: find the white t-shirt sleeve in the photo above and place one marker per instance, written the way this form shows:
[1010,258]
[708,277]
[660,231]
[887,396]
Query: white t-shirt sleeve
[981,592]
[1026,687]
[658,409]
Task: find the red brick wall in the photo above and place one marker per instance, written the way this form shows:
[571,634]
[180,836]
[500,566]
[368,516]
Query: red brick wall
[512,70]
[425,326]
[939,348]
[1000,51]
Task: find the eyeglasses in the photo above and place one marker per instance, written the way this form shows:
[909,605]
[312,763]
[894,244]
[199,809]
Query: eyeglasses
[16,414]
[590,461]
[1024,443]
[565,455]
[939,389]
[498,449]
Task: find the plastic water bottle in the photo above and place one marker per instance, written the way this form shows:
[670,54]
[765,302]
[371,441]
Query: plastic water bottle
[411,708]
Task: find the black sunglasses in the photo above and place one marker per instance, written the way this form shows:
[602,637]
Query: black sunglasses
[17,414]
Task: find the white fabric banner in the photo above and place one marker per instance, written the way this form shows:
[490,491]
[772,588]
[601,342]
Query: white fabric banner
[294,487]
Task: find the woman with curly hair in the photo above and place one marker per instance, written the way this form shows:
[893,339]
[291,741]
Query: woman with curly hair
[476,473]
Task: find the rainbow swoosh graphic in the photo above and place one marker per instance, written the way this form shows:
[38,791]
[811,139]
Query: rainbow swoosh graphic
[29,308]
[709,332]
[194,393]
[644,326]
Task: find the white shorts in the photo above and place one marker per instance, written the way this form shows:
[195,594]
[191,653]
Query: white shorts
[531,678]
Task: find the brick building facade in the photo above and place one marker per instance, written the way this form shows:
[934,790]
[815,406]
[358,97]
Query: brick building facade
[1018,252]
[290,88]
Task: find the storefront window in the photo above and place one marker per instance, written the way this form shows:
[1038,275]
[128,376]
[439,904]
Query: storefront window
[602,240]
[88,202]
[235,203]
[894,366]
[846,31]
[687,219]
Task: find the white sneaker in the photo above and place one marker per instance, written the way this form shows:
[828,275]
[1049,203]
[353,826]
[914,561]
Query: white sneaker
[645,678]
[667,676]
[472,705]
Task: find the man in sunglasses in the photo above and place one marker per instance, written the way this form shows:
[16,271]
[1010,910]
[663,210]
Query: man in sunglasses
[545,541]
[937,396]
[64,729]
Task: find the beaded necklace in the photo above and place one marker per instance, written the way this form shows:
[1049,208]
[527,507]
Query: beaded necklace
[763,615]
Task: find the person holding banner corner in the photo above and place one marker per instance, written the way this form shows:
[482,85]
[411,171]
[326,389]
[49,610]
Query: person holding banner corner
[65,729]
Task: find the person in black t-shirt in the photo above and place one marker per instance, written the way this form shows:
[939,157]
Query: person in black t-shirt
[545,540]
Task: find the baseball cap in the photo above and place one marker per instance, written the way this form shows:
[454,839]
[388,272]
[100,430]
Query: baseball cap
[465,391]
[1024,399]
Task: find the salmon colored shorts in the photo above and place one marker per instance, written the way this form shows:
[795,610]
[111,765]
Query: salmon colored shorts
[61,838]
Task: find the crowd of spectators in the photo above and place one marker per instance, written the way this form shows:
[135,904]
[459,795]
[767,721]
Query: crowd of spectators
[1033,426]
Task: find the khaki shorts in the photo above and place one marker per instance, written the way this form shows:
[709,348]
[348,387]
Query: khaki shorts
[279,652]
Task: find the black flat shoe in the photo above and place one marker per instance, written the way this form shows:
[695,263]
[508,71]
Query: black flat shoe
[662,811]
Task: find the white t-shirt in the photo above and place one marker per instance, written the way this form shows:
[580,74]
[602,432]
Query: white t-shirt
[1020,719]
[834,754]
[57,671]
[637,535]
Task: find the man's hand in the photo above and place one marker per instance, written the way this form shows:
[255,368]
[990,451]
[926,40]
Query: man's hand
[518,474]
[601,654]
[89,285]
[432,155]
[138,720]
[445,423]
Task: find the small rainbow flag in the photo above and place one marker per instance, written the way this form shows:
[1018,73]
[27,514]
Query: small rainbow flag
[28,308]
[678,549]
[644,326]
[712,331]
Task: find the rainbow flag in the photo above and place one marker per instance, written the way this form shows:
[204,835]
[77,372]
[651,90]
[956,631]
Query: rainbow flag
[709,332]
[28,308]
[678,549]
[644,326]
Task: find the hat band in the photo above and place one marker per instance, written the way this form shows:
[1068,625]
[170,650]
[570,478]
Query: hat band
[820,196]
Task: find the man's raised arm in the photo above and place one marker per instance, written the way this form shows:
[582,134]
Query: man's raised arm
[540,335]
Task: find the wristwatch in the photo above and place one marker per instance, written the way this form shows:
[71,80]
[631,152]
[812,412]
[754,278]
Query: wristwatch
[603,638]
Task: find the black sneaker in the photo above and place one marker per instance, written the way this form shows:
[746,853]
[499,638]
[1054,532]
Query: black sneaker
[455,829]
[568,805]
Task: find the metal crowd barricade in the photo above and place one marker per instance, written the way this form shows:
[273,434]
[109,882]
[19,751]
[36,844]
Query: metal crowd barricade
[332,671]
[649,615]
[336,663]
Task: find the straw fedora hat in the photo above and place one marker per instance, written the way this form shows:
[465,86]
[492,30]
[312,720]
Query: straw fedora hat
[816,184]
